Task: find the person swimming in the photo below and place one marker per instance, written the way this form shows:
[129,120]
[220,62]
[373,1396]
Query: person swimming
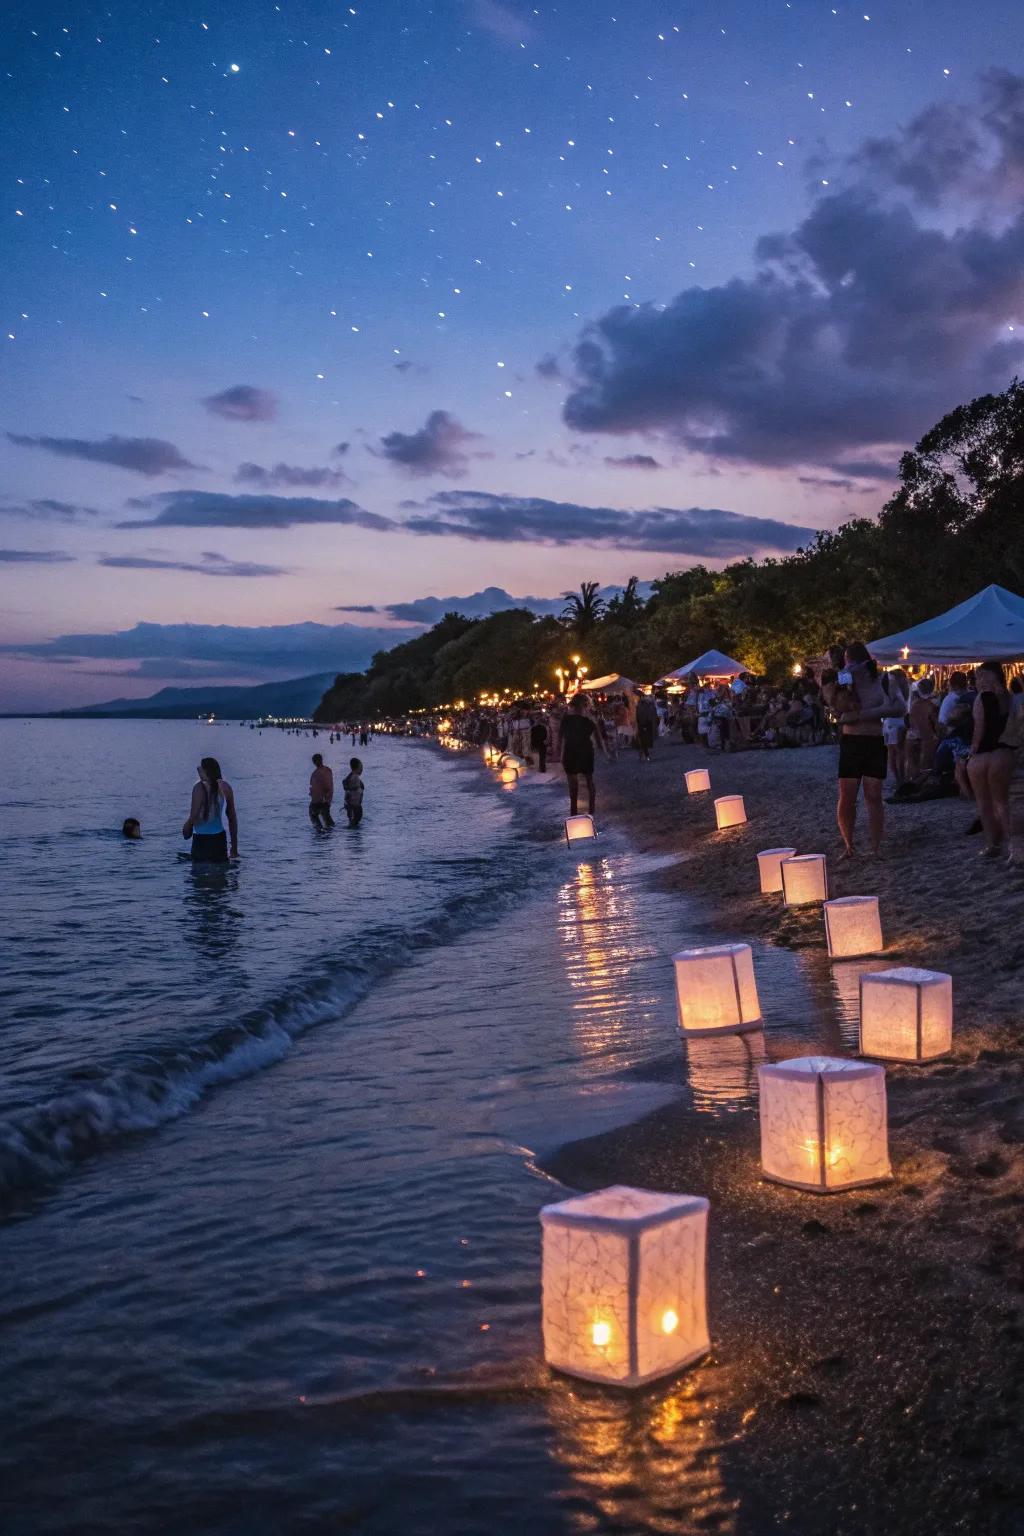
[212,800]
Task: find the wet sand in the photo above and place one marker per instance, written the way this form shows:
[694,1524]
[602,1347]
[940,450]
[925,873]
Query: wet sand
[867,1373]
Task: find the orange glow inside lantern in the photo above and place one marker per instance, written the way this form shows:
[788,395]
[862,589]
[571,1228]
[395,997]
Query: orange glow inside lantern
[824,1123]
[769,868]
[579,828]
[697,780]
[510,774]
[906,1014]
[730,811]
[804,879]
[716,990]
[624,1284]
[853,927]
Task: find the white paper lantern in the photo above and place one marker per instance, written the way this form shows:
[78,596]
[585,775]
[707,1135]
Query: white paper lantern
[716,990]
[509,774]
[853,927]
[730,811]
[804,879]
[906,1014]
[579,828]
[769,867]
[697,779]
[624,1284]
[823,1123]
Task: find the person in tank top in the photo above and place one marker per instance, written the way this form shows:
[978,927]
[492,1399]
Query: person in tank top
[213,802]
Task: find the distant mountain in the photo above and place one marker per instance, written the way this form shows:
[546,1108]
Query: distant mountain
[297,696]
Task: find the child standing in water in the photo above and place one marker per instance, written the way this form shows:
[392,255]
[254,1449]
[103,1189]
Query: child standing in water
[352,784]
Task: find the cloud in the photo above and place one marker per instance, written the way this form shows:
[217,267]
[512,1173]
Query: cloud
[438,448]
[478,605]
[858,328]
[34,557]
[501,20]
[47,507]
[634,461]
[289,475]
[210,564]
[144,455]
[703,532]
[357,608]
[242,402]
[283,650]
[341,448]
[217,509]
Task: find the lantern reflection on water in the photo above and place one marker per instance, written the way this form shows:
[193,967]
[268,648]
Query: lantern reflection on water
[853,927]
[769,868]
[906,1014]
[716,990]
[804,879]
[730,812]
[823,1123]
[579,828]
[624,1284]
[697,779]
[722,1071]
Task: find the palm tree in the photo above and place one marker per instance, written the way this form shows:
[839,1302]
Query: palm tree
[627,606]
[583,609]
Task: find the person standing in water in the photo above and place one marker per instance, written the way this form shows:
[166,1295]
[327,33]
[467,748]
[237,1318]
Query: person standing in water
[352,784]
[576,737]
[321,793]
[213,800]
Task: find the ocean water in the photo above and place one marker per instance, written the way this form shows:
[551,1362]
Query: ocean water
[269,1144]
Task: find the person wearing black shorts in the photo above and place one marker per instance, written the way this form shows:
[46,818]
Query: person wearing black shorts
[576,737]
[861,704]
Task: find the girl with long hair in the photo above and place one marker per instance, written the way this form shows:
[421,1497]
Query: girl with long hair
[213,801]
[990,765]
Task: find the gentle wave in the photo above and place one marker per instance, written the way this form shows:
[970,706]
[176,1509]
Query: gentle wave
[43,1143]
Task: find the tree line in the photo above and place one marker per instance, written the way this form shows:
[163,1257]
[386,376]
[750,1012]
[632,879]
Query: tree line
[954,524]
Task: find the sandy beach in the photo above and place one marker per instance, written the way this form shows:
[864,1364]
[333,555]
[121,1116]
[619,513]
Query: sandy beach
[867,1362]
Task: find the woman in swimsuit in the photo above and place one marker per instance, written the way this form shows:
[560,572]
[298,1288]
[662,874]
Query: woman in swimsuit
[212,800]
[576,737]
[991,763]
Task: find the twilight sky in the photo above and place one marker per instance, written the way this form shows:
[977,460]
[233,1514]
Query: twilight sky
[314,314]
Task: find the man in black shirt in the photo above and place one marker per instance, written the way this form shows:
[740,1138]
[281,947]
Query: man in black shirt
[576,738]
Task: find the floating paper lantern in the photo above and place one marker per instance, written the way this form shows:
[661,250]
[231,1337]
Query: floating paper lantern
[853,927]
[716,990]
[823,1123]
[578,828]
[769,867]
[624,1284]
[697,779]
[509,774]
[906,1014]
[730,811]
[804,879]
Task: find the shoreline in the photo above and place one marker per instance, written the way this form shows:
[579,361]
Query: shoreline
[866,1346]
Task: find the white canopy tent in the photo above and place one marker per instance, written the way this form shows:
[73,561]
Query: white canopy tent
[987,627]
[612,682]
[712,664]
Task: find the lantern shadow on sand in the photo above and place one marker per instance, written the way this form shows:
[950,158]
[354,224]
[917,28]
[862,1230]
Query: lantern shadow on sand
[906,1014]
[716,990]
[824,1124]
[624,1284]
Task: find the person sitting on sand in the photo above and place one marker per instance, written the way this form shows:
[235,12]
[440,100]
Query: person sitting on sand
[131,828]
[352,784]
[576,737]
[212,800]
[321,793]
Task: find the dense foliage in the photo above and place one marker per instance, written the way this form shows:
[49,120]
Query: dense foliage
[955,523]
